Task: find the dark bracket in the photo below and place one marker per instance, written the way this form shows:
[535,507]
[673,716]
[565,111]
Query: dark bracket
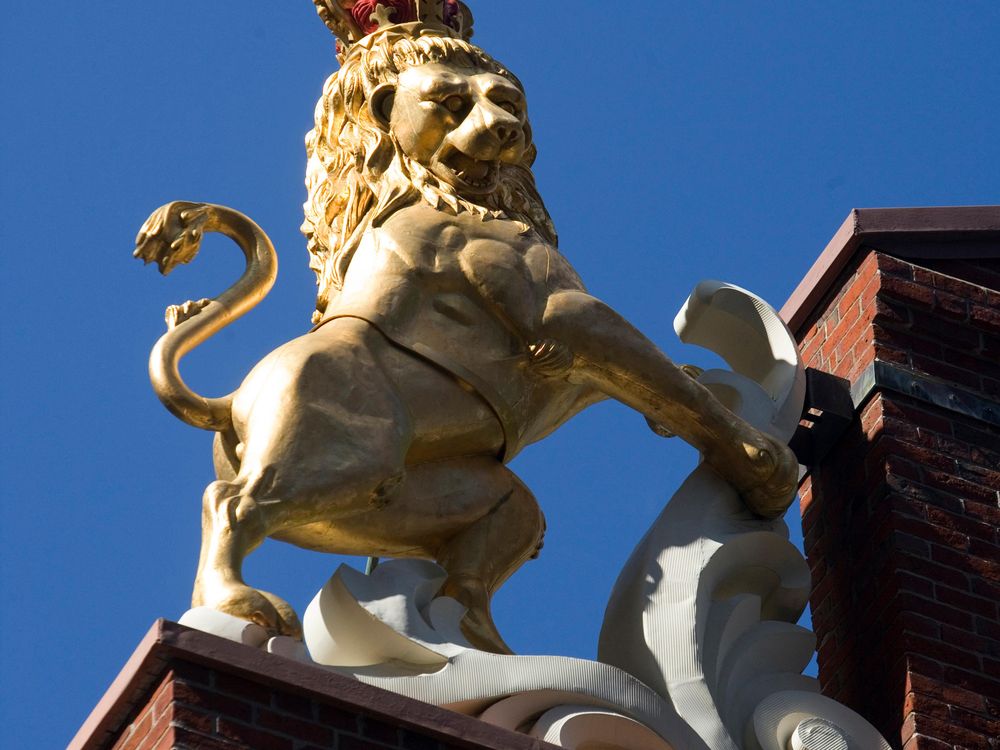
[826,415]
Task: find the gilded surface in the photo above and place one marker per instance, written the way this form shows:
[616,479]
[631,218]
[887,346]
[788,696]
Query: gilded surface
[450,334]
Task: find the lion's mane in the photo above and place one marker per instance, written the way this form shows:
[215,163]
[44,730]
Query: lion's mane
[357,175]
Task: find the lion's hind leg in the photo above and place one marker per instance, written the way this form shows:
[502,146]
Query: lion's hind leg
[471,514]
[324,437]
[232,527]
[486,553]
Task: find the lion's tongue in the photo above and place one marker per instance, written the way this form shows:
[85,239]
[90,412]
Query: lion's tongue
[469,168]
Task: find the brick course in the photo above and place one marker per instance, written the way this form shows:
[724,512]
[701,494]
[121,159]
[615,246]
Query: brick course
[902,518]
[201,709]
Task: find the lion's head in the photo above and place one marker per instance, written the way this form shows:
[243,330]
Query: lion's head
[362,168]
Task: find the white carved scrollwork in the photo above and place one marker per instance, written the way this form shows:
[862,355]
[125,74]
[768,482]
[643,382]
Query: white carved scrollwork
[389,629]
[704,611]
[793,720]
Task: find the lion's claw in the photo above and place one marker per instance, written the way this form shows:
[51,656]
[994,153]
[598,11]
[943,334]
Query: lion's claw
[777,470]
[272,613]
[659,429]
[177,314]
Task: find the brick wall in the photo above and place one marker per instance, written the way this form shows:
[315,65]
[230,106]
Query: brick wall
[188,690]
[902,517]
[204,709]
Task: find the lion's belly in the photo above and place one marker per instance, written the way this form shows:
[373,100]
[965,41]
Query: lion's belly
[455,335]
[487,358]
[328,374]
[324,374]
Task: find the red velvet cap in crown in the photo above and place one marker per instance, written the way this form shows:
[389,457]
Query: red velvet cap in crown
[352,20]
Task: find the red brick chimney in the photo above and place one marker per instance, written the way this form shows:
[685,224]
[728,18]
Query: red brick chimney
[901,502]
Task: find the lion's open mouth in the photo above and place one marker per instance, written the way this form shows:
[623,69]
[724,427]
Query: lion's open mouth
[470,172]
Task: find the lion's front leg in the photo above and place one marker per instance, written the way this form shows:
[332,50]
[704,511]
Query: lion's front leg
[611,355]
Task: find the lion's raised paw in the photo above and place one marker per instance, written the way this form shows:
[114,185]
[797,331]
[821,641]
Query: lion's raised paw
[774,492]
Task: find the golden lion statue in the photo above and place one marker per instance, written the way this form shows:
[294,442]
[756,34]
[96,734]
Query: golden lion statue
[450,333]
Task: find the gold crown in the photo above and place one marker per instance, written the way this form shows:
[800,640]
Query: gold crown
[353,20]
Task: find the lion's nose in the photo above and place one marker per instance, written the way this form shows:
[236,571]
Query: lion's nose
[487,131]
[505,134]
[500,122]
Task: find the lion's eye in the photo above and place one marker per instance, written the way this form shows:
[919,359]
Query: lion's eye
[508,107]
[454,103]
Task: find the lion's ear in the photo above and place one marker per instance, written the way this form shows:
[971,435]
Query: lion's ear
[380,103]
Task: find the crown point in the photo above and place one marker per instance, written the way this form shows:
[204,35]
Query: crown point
[372,15]
[350,20]
[452,14]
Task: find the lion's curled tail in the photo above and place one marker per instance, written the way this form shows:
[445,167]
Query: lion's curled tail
[170,236]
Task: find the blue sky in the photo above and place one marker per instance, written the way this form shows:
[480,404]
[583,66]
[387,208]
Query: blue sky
[677,141]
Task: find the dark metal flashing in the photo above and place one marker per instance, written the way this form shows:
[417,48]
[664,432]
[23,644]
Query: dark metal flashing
[957,232]
[935,249]
[930,390]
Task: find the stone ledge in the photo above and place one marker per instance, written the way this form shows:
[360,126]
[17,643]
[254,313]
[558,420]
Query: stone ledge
[932,232]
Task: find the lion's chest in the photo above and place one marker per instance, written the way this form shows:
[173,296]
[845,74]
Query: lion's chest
[466,265]
[489,258]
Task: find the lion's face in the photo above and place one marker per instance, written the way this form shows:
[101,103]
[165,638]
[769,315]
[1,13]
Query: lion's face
[460,123]
[410,119]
